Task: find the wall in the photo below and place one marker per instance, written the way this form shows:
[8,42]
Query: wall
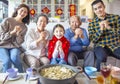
[11,5]
[115,7]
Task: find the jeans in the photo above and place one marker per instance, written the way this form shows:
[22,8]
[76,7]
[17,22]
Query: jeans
[9,57]
[87,55]
[101,54]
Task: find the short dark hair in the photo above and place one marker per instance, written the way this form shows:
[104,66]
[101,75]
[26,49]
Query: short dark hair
[58,25]
[43,16]
[97,1]
[27,18]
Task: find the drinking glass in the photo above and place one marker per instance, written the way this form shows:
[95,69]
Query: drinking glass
[105,71]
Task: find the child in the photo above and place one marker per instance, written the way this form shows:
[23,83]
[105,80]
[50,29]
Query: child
[58,46]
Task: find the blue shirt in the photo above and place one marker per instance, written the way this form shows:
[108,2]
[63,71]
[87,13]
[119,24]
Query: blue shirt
[76,45]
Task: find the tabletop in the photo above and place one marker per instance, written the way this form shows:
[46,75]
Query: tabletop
[81,79]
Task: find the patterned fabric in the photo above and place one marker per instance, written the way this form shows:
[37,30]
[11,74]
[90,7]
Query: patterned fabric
[107,37]
[65,46]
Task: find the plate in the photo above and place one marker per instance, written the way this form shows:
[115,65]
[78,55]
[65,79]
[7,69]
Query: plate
[93,75]
[34,77]
[16,78]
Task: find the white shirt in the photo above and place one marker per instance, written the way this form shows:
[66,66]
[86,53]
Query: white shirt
[31,45]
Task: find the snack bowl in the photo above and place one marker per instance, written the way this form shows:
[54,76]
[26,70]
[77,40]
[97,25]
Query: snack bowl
[90,70]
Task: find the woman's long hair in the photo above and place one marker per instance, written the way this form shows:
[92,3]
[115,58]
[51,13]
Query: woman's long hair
[25,20]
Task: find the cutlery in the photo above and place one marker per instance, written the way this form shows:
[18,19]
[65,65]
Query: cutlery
[5,79]
[38,81]
[87,75]
[26,77]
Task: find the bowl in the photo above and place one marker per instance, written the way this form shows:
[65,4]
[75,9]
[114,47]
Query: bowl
[90,70]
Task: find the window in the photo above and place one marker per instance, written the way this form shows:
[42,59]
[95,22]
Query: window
[52,6]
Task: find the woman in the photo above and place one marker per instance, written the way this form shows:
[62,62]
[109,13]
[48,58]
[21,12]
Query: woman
[36,40]
[12,32]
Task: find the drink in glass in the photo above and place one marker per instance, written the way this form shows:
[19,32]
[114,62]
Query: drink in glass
[116,77]
[105,71]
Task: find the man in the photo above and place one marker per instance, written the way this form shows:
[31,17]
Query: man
[78,39]
[104,32]
[36,40]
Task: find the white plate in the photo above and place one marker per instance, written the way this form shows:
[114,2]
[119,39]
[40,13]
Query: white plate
[18,77]
[93,75]
[34,77]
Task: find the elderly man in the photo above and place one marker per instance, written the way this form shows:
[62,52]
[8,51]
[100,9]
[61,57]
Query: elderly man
[78,39]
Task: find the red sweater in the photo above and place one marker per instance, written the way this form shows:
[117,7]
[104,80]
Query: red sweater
[65,47]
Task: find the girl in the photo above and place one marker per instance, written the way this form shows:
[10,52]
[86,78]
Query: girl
[58,47]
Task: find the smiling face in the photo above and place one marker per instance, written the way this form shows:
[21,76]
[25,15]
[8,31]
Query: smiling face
[99,10]
[41,23]
[59,32]
[74,22]
[22,12]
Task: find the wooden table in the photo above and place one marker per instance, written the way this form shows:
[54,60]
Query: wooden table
[81,78]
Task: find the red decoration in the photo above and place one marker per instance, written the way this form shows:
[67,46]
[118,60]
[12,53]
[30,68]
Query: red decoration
[72,9]
[59,11]
[32,12]
[45,10]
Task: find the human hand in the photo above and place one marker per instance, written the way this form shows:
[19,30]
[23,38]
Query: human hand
[19,29]
[79,33]
[16,30]
[42,38]
[60,49]
[58,44]
[43,34]
[104,24]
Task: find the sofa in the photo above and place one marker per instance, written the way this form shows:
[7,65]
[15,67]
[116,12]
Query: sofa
[49,27]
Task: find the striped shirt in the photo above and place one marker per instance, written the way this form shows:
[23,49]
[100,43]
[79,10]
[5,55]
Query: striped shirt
[106,37]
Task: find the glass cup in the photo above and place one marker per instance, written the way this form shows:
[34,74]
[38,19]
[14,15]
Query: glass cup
[116,77]
[31,72]
[100,79]
[12,72]
[105,71]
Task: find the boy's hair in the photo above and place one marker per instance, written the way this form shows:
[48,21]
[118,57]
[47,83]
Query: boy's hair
[43,16]
[97,1]
[58,25]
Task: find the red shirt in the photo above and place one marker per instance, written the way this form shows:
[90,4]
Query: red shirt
[65,47]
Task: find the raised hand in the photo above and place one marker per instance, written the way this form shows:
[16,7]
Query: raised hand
[104,24]
[43,35]
[16,30]
[79,33]
[58,44]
